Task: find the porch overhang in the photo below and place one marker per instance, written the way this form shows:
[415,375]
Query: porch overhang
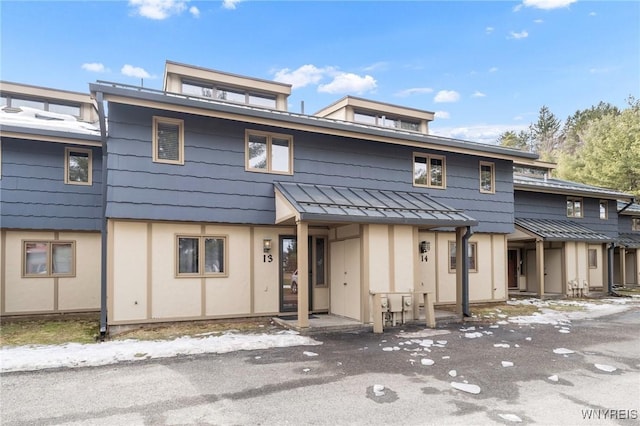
[630,241]
[559,230]
[340,204]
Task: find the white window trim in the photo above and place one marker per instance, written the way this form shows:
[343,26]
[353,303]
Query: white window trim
[67,153]
[606,209]
[428,157]
[270,136]
[201,273]
[180,123]
[49,273]
[493,176]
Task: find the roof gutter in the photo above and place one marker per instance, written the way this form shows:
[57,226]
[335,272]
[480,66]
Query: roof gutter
[103,229]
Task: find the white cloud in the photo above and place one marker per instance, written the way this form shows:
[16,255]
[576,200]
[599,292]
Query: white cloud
[349,83]
[131,71]
[478,94]
[230,4]
[442,114]
[303,76]
[592,14]
[547,4]
[158,9]
[538,21]
[447,96]
[489,30]
[493,69]
[377,66]
[414,91]
[194,11]
[521,34]
[93,67]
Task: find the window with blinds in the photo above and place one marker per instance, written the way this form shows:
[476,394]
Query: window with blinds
[168,140]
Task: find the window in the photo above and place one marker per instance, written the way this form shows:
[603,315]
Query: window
[635,224]
[429,171]
[385,121]
[487,178]
[593,259]
[269,153]
[320,261]
[46,259]
[168,140]
[78,166]
[59,108]
[472,253]
[604,209]
[201,256]
[228,94]
[574,207]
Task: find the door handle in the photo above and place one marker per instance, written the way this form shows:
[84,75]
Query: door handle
[344,283]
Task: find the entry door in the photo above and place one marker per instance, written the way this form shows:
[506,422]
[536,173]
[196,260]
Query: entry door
[553,271]
[345,278]
[289,277]
[630,264]
[512,266]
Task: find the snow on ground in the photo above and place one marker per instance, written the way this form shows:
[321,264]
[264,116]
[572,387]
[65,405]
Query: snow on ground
[27,358]
[588,309]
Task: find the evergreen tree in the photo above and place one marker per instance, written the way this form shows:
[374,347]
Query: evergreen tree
[546,135]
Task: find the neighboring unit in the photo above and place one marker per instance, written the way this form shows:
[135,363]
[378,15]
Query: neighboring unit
[564,238]
[627,258]
[50,201]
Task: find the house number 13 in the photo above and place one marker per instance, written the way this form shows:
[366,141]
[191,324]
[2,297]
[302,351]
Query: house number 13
[267,258]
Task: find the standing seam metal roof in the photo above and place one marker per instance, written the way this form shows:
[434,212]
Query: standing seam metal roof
[629,240]
[363,205]
[561,230]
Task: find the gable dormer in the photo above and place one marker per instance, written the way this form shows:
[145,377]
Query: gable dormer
[207,83]
[364,111]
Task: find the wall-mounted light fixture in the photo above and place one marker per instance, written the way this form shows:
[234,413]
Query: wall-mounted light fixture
[266,245]
[424,246]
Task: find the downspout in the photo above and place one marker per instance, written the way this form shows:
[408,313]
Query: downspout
[465,272]
[103,229]
[629,204]
[610,251]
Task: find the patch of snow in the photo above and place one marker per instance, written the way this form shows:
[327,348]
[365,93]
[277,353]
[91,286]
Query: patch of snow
[528,339]
[34,118]
[453,373]
[306,370]
[28,358]
[507,364]
[501,345]
[494,326]
[422,334]
[564,330]
[427,361]
[511,417]
[468,329]
[446,357]
[553,378]
[473,335]
[563,351]
[307,353]
[604,367]
[465,387]
[378,390]
[442,342]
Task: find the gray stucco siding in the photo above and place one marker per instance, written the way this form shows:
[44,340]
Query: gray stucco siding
[33,194]
[536,205]
[213,184]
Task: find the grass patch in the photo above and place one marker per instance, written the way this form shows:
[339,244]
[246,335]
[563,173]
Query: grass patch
[56,331]
[493,310]
[48,331]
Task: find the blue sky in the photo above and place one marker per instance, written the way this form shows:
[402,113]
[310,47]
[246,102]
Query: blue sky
[483,67]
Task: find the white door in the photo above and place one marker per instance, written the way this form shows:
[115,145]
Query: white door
[596,268]
[553,271]
[345,278]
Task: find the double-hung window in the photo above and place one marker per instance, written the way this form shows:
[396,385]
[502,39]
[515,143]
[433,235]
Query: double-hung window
[269,152]
[168,140]
[46,259]
[201,255]
[487,177]
[635,224]
[472,254]
[78,166]
[429,171]
[574,207]
[604,209]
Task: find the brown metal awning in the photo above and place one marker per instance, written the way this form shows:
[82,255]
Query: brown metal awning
[326,203]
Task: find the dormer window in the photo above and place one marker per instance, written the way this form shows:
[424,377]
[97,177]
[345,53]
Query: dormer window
[206,90]
[14,103]
[386,121]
